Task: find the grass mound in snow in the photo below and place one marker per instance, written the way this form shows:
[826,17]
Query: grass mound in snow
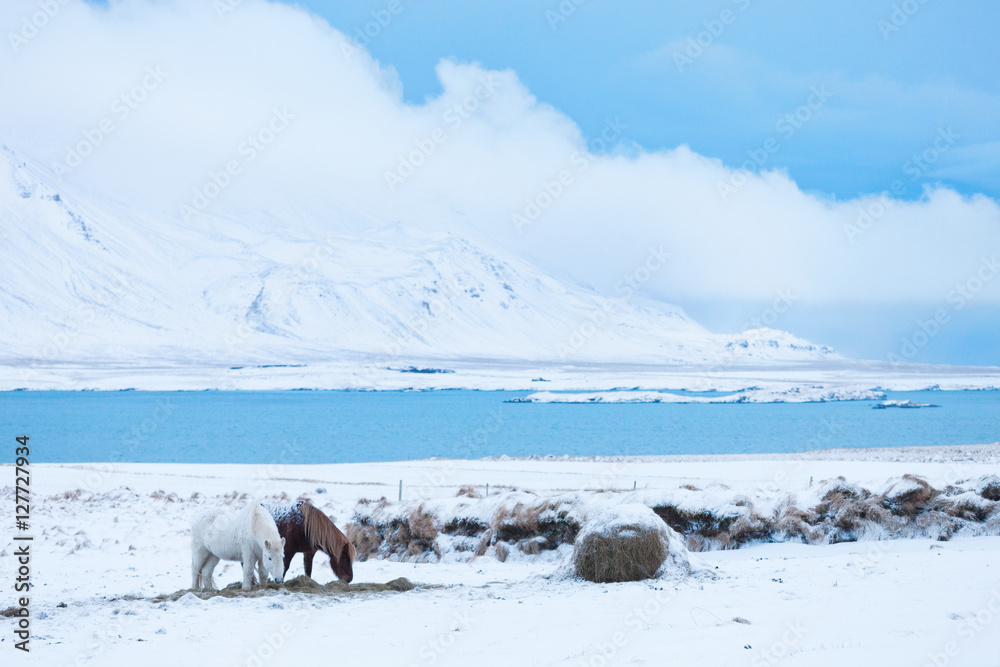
[463,527]
[517,523]
[906,507]
[627,543]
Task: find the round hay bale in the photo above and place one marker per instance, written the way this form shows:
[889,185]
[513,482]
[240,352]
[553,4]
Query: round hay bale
[628,542]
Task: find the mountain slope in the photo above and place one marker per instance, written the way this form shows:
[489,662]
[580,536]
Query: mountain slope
[83,279]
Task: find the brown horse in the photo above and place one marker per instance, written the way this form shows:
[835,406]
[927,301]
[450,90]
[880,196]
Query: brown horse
[307,530]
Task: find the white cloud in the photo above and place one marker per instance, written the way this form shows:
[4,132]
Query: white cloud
[485,147]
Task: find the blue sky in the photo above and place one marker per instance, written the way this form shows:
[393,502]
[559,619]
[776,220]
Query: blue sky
[892,90]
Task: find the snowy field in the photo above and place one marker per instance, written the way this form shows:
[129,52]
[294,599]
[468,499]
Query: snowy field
[370,372]
[109,539]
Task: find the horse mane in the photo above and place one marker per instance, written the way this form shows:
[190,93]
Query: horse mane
[322,534]
[262,525]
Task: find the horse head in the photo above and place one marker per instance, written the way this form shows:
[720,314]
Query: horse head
[273,557]
[343,565]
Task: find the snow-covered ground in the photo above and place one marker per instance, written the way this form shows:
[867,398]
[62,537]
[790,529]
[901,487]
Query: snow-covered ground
[384,373]
[104,532]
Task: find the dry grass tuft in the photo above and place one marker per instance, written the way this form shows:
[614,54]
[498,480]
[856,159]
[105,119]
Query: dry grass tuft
[485,542]
[365,539]
[525,523]
[534,546]
[421,525]
[623,552]
[402,532]
[847,511]
[989,487]
[748,529]
[464,526]
[791,523]
[910,499]
[402,537]
[710,531]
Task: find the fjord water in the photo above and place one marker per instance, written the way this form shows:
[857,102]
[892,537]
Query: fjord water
[346,426]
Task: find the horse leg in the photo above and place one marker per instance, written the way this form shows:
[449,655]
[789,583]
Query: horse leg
[307,560]
[207,572]
[289,555]
[198,557]
[195,571]
[249,562]
[262,573]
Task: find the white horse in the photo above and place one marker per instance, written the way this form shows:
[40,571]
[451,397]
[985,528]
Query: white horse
[248,535]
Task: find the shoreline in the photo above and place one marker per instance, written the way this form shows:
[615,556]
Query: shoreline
[423,374]
[980,453]
[919,454]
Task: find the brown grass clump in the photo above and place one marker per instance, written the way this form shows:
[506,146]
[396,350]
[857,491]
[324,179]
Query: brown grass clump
[421,525]
[938,525]
[622,551]
[911,501]
[485,542]
[410,536]
[464,526]
[420,533]
[524,523]
[696,542]
[791,523]
[846,511]
[365,539]
[534,546]
[747,529]
[989,487]
[517,523]
[967,506]
[528,523]
[703,522]
[470,492]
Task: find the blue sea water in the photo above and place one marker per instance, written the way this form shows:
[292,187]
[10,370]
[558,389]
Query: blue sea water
[345,426]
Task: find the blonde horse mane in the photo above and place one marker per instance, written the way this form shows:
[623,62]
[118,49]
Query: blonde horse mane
[322,534]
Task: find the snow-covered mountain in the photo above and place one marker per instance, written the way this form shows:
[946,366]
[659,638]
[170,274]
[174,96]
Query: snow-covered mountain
[85,279]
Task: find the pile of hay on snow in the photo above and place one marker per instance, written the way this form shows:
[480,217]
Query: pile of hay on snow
[627,542]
